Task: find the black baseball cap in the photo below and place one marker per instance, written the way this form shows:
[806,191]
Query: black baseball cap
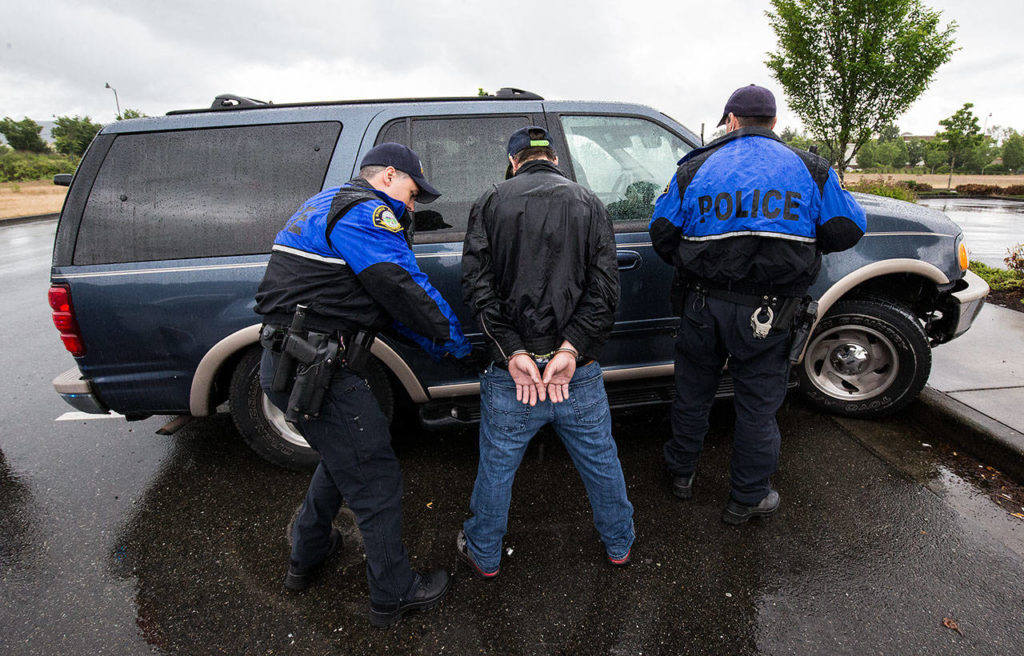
[520,139]
[406,160]
[750,100]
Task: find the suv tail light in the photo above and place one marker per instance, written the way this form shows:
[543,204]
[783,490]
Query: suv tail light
[64,319]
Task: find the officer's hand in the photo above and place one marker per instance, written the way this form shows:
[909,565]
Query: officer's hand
[557,374]
[527,378]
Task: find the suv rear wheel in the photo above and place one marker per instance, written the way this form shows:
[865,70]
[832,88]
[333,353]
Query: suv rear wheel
[263,426]
[867,358]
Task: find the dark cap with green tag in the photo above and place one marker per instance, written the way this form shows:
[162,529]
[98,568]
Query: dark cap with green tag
[521,139]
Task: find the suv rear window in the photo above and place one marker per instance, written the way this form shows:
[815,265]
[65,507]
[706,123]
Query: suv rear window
[201,193]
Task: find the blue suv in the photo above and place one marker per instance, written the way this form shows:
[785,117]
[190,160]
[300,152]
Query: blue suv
[169,220]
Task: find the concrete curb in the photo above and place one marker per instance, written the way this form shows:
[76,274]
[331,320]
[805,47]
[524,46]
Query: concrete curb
[29,219]
[972,430]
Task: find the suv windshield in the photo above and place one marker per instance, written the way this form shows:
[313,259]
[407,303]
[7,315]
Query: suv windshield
[625,161]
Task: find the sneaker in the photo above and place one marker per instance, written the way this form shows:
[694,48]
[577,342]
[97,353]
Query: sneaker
[737,513]
[463,548]
[622,562]
[682,486]
[430,588]
[298,578]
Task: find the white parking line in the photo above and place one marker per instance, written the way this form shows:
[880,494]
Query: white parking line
[85,416]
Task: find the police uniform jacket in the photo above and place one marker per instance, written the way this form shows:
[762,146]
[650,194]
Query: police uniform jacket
[538,264]
[345,254]
[751,214]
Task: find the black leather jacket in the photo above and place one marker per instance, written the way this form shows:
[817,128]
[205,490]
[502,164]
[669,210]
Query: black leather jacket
[538,264]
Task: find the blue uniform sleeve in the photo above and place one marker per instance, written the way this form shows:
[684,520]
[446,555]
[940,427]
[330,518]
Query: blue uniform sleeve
[666,225]
[372,242]
[841,222]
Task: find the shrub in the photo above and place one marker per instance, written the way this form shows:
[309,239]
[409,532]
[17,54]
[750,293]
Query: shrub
[1000,280]
[918,186]
[978,190]
[1014,190]
[1015,259]
[887,187]
[19,166]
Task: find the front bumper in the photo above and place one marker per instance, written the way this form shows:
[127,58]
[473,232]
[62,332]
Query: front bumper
[78,392]
[967,302]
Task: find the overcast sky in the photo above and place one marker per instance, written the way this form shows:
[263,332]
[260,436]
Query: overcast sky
[683,58]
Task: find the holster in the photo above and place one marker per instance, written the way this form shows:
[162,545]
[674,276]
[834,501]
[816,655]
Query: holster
[318,357]
[803,322]
[305,366]
[357,351]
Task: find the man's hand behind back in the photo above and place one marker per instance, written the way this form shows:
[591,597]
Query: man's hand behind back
[524,372]
[557,374]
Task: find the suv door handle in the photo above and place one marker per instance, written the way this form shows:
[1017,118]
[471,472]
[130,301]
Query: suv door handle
[628,260]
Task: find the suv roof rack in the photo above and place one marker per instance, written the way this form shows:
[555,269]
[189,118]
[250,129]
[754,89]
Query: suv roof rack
[231,102]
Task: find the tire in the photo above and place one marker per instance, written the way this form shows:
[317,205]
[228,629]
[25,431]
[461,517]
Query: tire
[867,358]
[263,426]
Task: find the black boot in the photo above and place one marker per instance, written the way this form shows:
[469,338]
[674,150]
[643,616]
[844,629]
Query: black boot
[299,578]
[428,591]
[682,486]
[738,513]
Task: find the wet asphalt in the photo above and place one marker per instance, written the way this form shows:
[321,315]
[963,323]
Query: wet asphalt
[116,540]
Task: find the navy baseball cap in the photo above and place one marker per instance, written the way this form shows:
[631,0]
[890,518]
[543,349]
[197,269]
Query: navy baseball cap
[520,139]
[404,159]
[750,100]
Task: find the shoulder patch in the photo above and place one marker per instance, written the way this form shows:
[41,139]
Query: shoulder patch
[384,218]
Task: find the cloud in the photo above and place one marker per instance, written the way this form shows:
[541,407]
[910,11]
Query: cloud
[683,58]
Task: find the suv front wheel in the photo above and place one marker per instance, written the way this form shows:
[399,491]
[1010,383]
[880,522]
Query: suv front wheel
[263,426]
[867,358]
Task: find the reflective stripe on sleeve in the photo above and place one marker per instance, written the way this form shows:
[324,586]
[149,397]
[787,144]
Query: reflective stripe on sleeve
[307,255]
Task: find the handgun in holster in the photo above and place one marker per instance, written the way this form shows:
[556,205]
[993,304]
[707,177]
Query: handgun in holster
[309,359]
[803,322]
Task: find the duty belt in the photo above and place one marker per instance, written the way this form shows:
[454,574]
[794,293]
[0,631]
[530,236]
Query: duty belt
[771,311]
[749,300]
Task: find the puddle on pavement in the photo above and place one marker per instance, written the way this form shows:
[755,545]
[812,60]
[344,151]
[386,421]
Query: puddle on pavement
[977,490]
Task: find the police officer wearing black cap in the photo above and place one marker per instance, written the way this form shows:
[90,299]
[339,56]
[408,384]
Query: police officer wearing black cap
[344,265]
[744,220]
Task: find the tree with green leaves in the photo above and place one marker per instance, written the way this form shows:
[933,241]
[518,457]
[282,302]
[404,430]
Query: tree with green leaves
[130,113]
[866,155]
[1013,151]
[934,155]
[888,133]
[900,153]
[23,135]
[849,68]
[72,135]
[961,136]
[915,152]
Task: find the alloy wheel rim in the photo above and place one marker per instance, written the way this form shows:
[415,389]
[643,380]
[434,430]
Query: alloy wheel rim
[851,363]
[283,427]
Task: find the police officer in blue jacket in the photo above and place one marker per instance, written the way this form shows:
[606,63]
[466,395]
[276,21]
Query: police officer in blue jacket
[346,256]
[744,221]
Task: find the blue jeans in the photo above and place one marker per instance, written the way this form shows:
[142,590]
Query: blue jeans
[583,423]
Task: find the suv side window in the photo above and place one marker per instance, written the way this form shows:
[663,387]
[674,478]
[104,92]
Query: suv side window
[626,161]
[461,157]
[201,193]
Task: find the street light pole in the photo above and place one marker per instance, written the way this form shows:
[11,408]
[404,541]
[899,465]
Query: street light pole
[116,101]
